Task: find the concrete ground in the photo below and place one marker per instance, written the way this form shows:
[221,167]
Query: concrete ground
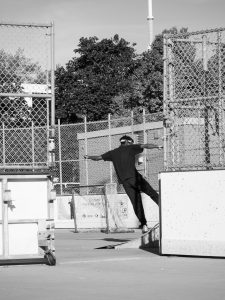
[84,272]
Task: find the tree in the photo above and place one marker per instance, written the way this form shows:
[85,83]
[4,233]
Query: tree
[88,84]
[147,79]
[147,88]
[107,76]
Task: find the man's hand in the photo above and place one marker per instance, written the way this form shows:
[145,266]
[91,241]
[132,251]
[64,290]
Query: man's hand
[150,146]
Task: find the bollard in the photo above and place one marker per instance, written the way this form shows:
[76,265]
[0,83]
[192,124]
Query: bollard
[74,211]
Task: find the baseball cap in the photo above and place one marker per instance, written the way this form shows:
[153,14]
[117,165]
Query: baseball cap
[125,138]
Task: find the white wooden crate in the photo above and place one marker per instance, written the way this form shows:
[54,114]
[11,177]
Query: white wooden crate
[192,213]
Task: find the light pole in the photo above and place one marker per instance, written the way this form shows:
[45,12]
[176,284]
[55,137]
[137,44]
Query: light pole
[150,19]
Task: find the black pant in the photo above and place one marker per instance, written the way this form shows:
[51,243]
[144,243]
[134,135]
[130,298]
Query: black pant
[133,187]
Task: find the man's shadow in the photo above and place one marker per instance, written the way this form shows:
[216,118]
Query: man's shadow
[152,247]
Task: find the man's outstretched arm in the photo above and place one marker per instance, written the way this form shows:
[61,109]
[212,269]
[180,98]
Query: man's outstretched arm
[150,146]
[93,157]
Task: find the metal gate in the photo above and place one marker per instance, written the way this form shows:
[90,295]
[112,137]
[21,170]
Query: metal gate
[26,95]
[194,94]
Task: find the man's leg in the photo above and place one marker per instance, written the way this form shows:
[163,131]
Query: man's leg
[135,197]
[146,188]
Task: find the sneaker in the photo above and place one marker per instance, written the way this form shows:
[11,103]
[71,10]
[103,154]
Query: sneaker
[144,229]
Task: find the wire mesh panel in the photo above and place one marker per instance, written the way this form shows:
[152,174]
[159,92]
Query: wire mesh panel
[26,94]
[194,94]
[67,157]
[25,56]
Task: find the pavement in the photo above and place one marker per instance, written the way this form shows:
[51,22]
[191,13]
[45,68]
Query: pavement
[85,272]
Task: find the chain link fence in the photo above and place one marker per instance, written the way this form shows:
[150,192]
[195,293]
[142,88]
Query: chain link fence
[73,141]
[26,95]
[194,94]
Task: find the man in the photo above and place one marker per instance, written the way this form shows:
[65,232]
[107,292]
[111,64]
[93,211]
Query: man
[123,159]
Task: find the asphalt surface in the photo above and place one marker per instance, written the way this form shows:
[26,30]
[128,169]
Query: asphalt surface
[85,272]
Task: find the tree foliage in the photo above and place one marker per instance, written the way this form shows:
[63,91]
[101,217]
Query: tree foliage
[147,87]
[147,79]
[108,76]
[90,81]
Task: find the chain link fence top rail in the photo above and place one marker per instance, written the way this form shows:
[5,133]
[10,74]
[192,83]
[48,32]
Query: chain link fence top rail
[73,141]
[26,81]
[194,94]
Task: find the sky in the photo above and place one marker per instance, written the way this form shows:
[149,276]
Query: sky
[74,19]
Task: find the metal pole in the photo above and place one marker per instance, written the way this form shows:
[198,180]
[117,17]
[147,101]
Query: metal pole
[206,109]
[3,143]
[220,110]
[32,141]
[145,141]
[165,100]
[150,19]
[5,228]
[48,134]
[132,124]
[171,114]
[52,75]
[52,131]
[60,157]
[110,146]
[86,150]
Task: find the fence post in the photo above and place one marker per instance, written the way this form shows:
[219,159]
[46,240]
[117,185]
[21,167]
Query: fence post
[3,143]
[110,145]
[5,227]
[86,151]
[132,124]
[32,142]
[206,108]
[52,40]
[60,156]
[220,124]
[165,82]
[171,96]
[145,141]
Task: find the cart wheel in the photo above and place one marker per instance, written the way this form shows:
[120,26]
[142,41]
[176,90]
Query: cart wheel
[50,257]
